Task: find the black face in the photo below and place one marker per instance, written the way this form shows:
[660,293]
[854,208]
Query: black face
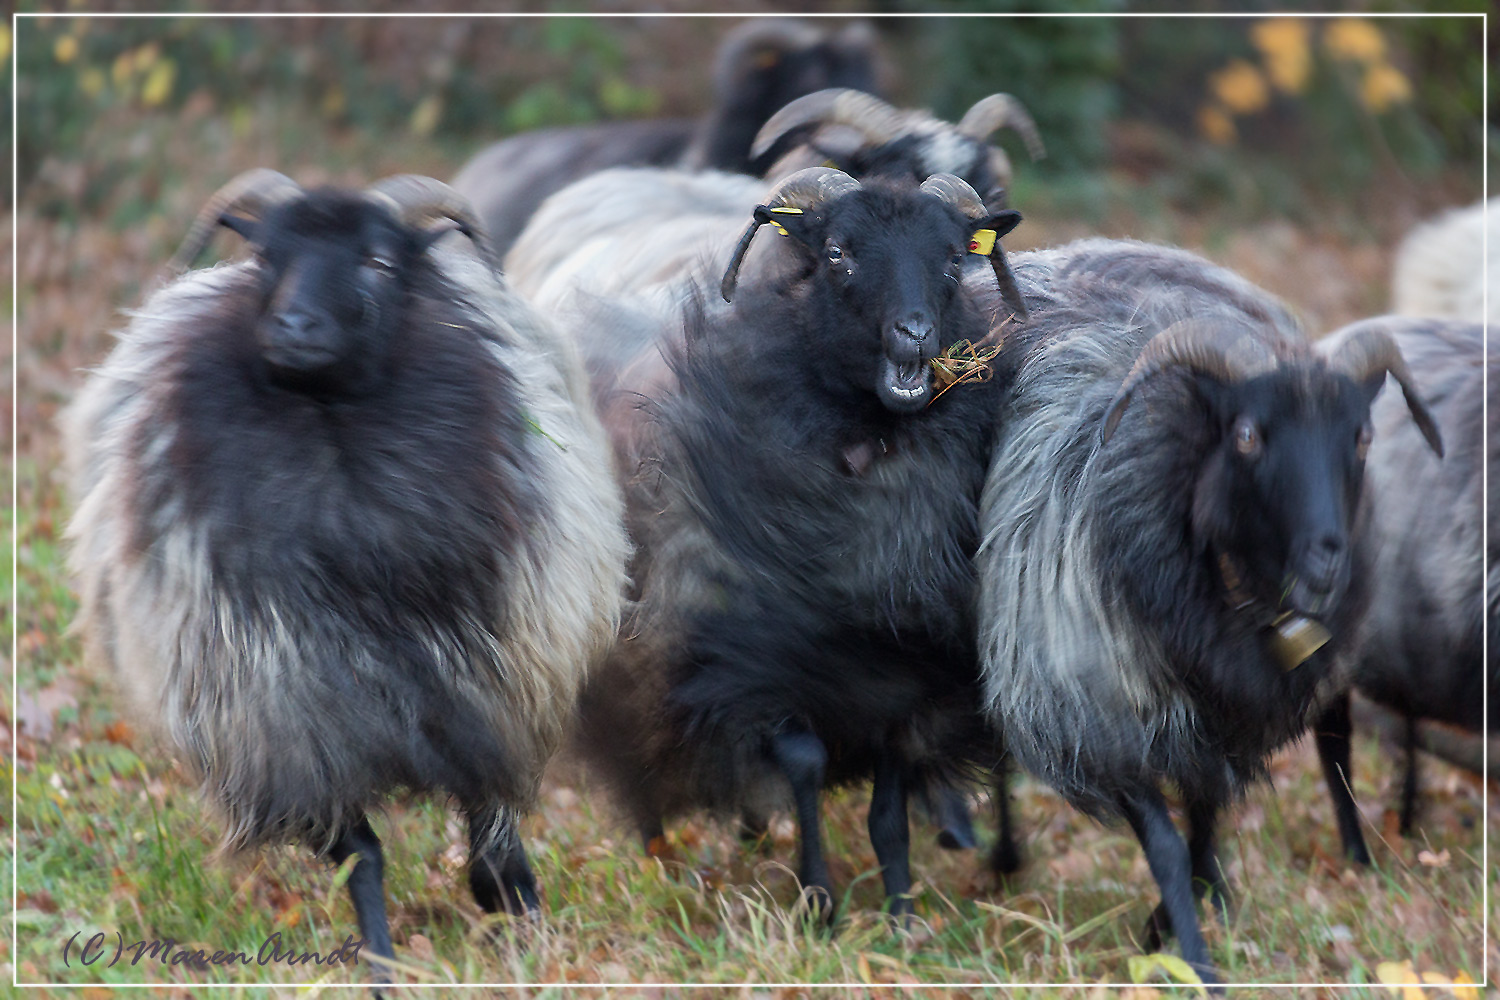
[890,264]
[333,273]
[1280,489]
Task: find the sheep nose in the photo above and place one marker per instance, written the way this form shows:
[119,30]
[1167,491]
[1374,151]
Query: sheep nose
[917,328]
[296,328]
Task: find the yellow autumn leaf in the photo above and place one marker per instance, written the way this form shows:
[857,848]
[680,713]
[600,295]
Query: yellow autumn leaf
[1397,977]
[1354,39]
[1143,967]
[91,81]
[4,42]
[1383,86]
[1283,45]
[124,65]
[158,85]
[65,49]
[1465,988]
[1240,87]
[426,115]
[865,974]
[1216,125]
[146,55]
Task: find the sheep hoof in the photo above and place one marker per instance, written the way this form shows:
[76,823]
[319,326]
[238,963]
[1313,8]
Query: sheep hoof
[1005,857]
[1157,930]
[817,907]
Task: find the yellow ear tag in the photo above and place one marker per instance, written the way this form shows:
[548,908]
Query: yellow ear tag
[784,211]
[982,242]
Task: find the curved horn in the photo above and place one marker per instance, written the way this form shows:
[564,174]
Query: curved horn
[805,189]
[1213,349]
[1370,350]
[999,111]
[879,121]
[418,200]
[252,192]
[957,192]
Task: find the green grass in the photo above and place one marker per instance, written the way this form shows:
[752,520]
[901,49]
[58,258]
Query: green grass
[111,835]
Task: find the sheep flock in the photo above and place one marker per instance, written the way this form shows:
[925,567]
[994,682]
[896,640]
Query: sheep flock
[729,462]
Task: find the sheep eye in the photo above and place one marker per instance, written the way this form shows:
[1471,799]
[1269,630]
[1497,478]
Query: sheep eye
[381,265]
[1246,437]
[1362,441]
[835,254]
[957,259]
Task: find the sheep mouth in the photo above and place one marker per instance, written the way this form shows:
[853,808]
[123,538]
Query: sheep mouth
[300,357]
[904,386]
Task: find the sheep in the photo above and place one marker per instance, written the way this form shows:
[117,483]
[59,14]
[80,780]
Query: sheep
[1171,529]
[761,65]
[804,513]
[1419,649]
[864,135]
[1440,268]
[641,230]
[344,524]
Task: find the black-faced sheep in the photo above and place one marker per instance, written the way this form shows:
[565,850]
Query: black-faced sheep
[1419,650]
[804,507]
[641,232]
[345,525]
[1172,544]
[761,65]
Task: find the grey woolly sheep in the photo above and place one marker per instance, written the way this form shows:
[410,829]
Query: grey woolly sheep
[1172,548]
[1420,648]
[344,524]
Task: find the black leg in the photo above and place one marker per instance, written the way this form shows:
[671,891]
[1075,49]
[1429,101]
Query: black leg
[950,811]
[1331,732]
[1171,866]
[653,837]
[1208,874]
[802,758]
[499,874]
[1005,856]
[367,890]
[1409,780]
[890,834]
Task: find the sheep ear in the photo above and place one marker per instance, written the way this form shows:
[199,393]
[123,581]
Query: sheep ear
[792,222]
[245,227]
[986,242]
[1002,222]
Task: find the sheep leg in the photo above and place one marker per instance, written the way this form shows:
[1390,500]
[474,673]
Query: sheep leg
[367,890]
[1171,866]
[499,875]
[1409,779]
[1005,856]
[1208,874]
[890,833]
[950,811]
[802,758]
[1332,731]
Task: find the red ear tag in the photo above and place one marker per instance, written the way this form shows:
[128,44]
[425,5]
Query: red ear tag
[973,246]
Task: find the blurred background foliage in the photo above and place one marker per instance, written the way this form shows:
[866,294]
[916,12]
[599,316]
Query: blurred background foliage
[1315,107]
